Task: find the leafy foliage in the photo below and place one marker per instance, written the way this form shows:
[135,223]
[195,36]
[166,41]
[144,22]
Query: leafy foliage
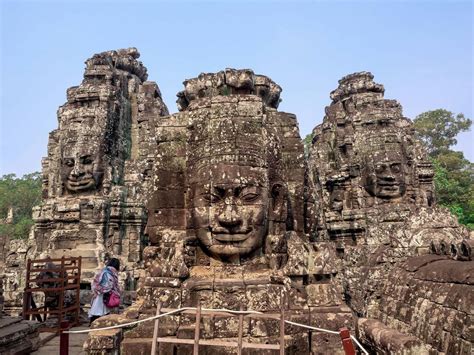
[454,184]
[21,194]
[438,129]
[454,174]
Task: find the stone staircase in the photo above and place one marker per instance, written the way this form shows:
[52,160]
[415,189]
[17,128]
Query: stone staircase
[18,336]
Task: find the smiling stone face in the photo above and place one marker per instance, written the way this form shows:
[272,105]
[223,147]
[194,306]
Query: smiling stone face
[81,168]
[237,195]
[230,210]
[385,178]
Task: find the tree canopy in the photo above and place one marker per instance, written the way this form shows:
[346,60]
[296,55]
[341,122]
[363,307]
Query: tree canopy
[438,129]
[454,174]
[20,194]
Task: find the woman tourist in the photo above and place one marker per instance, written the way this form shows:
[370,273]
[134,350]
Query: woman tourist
[106,291]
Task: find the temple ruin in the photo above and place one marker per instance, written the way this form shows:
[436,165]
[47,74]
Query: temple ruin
[217,205]
[376,185]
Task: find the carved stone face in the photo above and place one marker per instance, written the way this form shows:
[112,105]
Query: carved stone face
[386,177]
[81,168]
[337,198]
[230,210]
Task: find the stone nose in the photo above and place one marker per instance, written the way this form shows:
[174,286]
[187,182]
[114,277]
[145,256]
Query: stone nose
[230,218]
[77,170]
[388,176]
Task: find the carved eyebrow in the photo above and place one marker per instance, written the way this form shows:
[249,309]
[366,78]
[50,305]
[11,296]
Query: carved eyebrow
[250,193]
[251,188]
[223,189]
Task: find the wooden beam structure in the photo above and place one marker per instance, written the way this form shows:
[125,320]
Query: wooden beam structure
[53,277]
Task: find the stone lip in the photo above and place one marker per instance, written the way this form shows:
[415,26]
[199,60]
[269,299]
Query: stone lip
[229,82]
[356,83]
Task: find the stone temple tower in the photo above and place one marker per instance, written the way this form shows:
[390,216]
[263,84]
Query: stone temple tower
[226,219]
[91,206]
[375,184]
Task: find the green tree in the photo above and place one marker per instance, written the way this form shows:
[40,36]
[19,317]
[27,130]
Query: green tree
[454,174]
[20,194]
[438,129]
[455,190]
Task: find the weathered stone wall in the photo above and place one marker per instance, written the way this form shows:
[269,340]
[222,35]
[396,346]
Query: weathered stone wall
[13,255]
[14,272]
[431,297]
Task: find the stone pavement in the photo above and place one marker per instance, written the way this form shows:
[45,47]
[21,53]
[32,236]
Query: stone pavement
[75,344]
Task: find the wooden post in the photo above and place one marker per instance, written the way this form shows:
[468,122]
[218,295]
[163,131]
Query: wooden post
[197,329]
[26,304]
[61,293]
[78,290]
[347,341]
[26,294]
[241,329]
[310,341]
[155,329]
[63,338]
[282,325]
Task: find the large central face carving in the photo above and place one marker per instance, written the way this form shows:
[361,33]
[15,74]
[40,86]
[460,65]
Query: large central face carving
[230,209]
[386,177]
[81,168]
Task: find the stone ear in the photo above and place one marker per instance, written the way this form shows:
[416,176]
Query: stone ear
[278,193]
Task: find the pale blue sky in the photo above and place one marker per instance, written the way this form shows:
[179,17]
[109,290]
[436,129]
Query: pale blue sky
[420,50]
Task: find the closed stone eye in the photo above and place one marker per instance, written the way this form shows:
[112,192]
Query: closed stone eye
[211,197]
[249,197]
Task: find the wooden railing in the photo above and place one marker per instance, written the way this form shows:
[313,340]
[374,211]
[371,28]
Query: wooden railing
[239,344]
[199,312]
